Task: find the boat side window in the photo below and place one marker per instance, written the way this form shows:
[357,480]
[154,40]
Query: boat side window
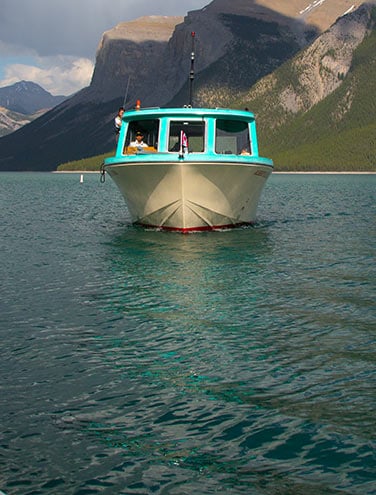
[232,137]
[188,135]
[148,129]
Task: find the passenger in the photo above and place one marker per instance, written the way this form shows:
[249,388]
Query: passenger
[139,143]
[118,121]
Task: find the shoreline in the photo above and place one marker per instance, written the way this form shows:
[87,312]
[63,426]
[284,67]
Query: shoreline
[329,172]
[74,172]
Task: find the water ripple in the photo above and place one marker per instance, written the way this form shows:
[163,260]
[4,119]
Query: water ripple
[138,362]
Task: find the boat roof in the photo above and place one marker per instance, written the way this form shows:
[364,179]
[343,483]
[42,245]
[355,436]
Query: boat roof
[189,112]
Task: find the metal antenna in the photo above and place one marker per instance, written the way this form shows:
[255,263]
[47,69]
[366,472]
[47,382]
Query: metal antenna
[126,91]
[192,71]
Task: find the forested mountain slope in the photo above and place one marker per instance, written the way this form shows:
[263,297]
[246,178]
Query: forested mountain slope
[318,110]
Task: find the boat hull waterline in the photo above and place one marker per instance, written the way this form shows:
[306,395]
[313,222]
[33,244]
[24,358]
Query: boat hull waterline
[187,197]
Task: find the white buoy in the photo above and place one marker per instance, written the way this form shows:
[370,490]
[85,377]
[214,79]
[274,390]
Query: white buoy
[81,178]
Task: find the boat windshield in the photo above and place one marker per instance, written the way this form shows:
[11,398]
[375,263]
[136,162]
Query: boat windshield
[189,135]
[232,137]
[147,129]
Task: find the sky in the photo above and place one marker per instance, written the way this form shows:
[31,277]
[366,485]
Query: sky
[53,42]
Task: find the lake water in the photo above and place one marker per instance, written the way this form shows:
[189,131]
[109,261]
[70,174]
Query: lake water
[144,362]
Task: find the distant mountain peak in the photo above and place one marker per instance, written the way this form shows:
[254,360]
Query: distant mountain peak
[28,86]
[27,97]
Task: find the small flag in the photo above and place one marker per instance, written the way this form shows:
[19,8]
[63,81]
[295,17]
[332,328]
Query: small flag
[184,141]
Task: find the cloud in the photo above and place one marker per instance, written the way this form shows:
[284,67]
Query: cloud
[54,42]
[58,75]
[56,27]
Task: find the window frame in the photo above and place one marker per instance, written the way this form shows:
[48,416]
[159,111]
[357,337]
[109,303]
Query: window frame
[131,127]
[247,135]
[190,120]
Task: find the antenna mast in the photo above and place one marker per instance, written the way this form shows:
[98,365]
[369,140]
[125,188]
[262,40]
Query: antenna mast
[192,71]
[126,92]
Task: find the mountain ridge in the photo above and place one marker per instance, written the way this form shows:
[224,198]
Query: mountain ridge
[314,72]
[339,129]
[23,102]
[27,98]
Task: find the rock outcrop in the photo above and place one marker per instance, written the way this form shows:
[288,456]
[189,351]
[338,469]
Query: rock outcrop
[129,54]
[314,73]
[11,121]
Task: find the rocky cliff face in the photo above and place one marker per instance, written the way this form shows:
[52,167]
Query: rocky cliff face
[237,43]
[128,55]
[314,73]
[150,56]
[322,67]
[264,34]
[11,121]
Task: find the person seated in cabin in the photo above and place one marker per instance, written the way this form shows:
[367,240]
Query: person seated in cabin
[118,122]
[139,141]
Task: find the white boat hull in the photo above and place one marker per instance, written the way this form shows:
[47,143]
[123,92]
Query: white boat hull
[191,196]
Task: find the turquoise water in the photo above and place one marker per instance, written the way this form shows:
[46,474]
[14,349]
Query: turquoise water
[143,362]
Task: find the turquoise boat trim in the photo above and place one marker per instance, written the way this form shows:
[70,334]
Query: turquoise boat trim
[158,158]
[209,117]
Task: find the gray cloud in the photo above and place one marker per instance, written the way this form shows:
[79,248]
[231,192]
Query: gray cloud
[53,42]
[74,27]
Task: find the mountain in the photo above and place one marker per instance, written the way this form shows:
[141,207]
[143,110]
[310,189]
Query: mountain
[264,34]
[237,43]
[128,57]
[27,98]
[23,102]
[318,111]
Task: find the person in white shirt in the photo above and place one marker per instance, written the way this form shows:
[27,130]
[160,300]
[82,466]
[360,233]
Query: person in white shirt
[138,142]
[118,121]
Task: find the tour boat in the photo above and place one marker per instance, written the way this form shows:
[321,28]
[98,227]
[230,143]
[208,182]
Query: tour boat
[191,169]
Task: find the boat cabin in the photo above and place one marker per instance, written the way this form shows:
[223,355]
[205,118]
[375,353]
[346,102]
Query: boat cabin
[188,130]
